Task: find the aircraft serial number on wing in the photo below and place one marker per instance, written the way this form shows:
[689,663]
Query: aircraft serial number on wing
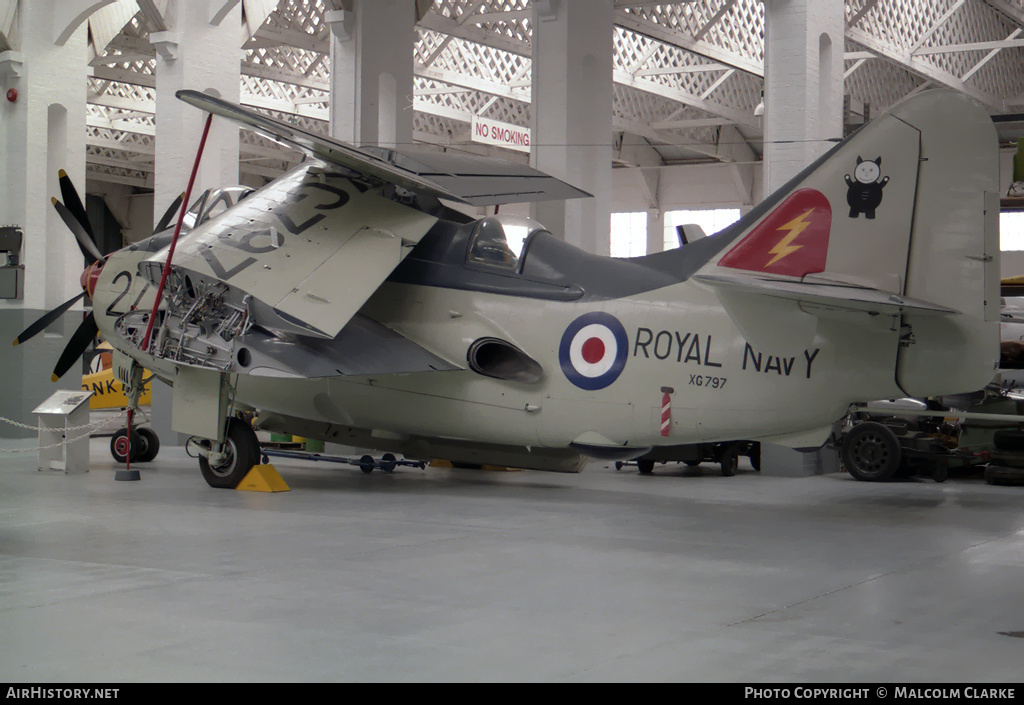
[271,238]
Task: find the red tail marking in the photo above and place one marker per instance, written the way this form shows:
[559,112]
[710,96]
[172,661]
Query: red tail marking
[792,240]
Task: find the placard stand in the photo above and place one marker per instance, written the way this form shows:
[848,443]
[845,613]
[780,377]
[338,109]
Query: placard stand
[64,410]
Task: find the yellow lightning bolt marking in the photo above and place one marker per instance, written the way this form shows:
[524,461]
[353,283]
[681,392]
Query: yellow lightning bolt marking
[783,248]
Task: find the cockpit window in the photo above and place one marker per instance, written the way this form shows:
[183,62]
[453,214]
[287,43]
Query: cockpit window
[212,203]
[498,241]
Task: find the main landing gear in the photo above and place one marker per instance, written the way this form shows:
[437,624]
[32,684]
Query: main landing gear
[225,465]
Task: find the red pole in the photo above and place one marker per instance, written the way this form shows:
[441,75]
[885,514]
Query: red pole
[177,231]
[167,268]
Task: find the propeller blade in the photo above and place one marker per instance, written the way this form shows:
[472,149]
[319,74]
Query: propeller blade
[45,320]
[76,346]
[165,220]
[74,203]
[85,243]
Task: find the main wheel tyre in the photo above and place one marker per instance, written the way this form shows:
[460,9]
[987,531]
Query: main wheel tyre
[755,456]
[1003,475]
[1007,439]
[125,448]
[730,460]
[871,452]
[242,450]
[150,444]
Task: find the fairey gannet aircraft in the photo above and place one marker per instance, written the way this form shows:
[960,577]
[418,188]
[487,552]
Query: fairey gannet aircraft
[345,301]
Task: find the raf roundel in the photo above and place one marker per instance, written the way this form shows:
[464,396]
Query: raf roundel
[593,350]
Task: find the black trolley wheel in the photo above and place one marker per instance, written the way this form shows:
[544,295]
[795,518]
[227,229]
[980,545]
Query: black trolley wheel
[871,452]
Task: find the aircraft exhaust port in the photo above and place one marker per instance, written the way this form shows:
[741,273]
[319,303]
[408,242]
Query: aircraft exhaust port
[493,357]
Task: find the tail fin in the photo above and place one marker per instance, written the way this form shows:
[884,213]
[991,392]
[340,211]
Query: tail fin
[902,218]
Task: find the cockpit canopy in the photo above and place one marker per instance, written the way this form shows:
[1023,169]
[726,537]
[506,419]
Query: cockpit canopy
[498,240]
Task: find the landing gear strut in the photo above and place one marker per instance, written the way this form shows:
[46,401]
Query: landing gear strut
[228,466]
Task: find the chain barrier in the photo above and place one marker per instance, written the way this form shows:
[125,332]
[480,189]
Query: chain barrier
[65,440]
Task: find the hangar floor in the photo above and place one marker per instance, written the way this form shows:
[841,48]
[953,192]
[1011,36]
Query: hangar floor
[463,575]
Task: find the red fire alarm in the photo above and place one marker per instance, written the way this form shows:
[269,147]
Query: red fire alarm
[12,94]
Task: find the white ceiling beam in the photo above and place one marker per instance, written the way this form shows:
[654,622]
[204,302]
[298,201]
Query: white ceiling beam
[673,37]
[137,78]
[124,58]
[272,73]
[474,33]
[860,62]
[735,116]
[126,162]
[722,11]
[667,70]
[429,108]
[153,11]
[988,57]
[256,14]
[252,100]
[1008,43]
[478,84]
[123,125]
[106,20]
[8,9]
[1013,12]
[622,4]
[145,149]
[915,65]
[938,23]
[276,36]
[657,137]
[865,9]
[123,179]
[714,86]
[112,101]
[689,124]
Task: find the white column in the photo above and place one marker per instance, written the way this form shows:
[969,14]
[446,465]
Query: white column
[201,50]
[803,95]
[372,72]
[572,115]
[42,131]
[655,230]
[198,55]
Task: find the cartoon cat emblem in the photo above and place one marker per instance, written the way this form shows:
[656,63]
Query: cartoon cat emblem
[865,190]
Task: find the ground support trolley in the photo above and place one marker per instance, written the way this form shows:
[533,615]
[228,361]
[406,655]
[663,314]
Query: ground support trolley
[880,442]
[367,463]
[726,454]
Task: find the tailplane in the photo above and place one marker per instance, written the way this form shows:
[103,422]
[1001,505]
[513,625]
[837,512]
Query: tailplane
[901,219]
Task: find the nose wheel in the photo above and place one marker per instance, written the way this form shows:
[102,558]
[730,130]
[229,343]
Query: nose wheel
[141,446]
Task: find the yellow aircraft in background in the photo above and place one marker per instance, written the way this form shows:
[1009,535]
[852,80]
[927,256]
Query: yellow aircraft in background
[107,390]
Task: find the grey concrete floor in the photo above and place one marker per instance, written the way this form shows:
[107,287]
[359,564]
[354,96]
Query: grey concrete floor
[476,575]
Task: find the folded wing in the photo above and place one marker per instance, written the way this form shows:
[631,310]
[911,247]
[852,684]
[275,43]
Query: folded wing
[474,180]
